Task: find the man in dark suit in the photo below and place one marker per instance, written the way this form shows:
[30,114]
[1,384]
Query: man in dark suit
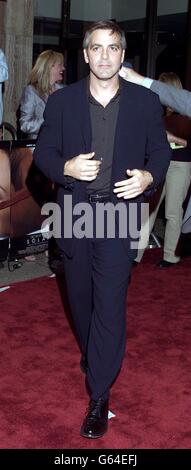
[93,144]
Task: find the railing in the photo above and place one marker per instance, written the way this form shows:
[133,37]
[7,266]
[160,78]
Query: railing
[7,131]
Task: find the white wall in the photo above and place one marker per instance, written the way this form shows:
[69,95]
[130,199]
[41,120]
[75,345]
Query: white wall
[123,10]
[95,10]
[169,7]
[135,9]
[91,10]
[48,8]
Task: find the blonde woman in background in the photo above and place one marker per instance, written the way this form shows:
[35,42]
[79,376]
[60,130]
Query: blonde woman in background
[45,78]
[3,77]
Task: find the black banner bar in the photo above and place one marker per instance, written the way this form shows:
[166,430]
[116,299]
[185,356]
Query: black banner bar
[127,458]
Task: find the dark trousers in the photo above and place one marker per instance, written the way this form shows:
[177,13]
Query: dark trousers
[97,280]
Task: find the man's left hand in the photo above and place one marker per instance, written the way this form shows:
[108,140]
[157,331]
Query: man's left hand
[135,185]
[176,140]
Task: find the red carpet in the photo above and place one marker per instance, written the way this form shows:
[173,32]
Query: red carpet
[42,390]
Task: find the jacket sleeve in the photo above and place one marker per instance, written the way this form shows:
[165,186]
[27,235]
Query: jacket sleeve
[30,119]
[48,153]
[177,99]
[158,149]
[3,67]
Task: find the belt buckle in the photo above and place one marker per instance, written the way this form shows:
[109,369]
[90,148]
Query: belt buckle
[98,198]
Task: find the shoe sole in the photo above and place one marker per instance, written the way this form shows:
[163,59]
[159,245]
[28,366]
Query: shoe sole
[90,436]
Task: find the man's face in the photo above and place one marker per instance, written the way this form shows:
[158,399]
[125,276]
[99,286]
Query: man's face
[56,73]
[104,54]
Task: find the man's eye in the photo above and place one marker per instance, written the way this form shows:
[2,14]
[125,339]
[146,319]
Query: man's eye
[95,48]
[114,48]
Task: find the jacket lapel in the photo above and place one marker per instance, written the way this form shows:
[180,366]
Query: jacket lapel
[122,158]
[124,126]
[123,134]
[83,113]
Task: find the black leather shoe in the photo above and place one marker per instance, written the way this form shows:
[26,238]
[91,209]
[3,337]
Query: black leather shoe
[95,423]
[165,264]
[84,364]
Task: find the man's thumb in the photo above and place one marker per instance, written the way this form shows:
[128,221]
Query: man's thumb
[131,172]
[87,156]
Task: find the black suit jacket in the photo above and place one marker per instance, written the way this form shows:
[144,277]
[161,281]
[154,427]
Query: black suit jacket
[140,136]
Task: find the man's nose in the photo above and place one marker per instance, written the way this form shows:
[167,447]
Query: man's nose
[105,53]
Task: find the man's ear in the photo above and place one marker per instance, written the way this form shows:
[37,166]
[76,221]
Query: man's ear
[123,55]
[86,56]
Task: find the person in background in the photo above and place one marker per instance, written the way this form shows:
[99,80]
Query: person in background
[3,77]
[176,184]
[177,99]
[45,78]
[88,145]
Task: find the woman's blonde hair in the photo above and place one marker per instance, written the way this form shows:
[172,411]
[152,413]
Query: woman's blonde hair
[171,78]
[40,73]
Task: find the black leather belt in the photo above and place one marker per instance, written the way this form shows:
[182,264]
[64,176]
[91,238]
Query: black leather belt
[96,197]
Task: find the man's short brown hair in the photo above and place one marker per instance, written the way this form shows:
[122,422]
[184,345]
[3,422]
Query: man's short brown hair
[105,25]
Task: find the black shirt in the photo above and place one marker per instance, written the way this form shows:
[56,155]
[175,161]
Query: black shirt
[103,124]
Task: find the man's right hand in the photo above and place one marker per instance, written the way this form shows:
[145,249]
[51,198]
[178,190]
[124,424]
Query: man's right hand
[130,75]
[82,167]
